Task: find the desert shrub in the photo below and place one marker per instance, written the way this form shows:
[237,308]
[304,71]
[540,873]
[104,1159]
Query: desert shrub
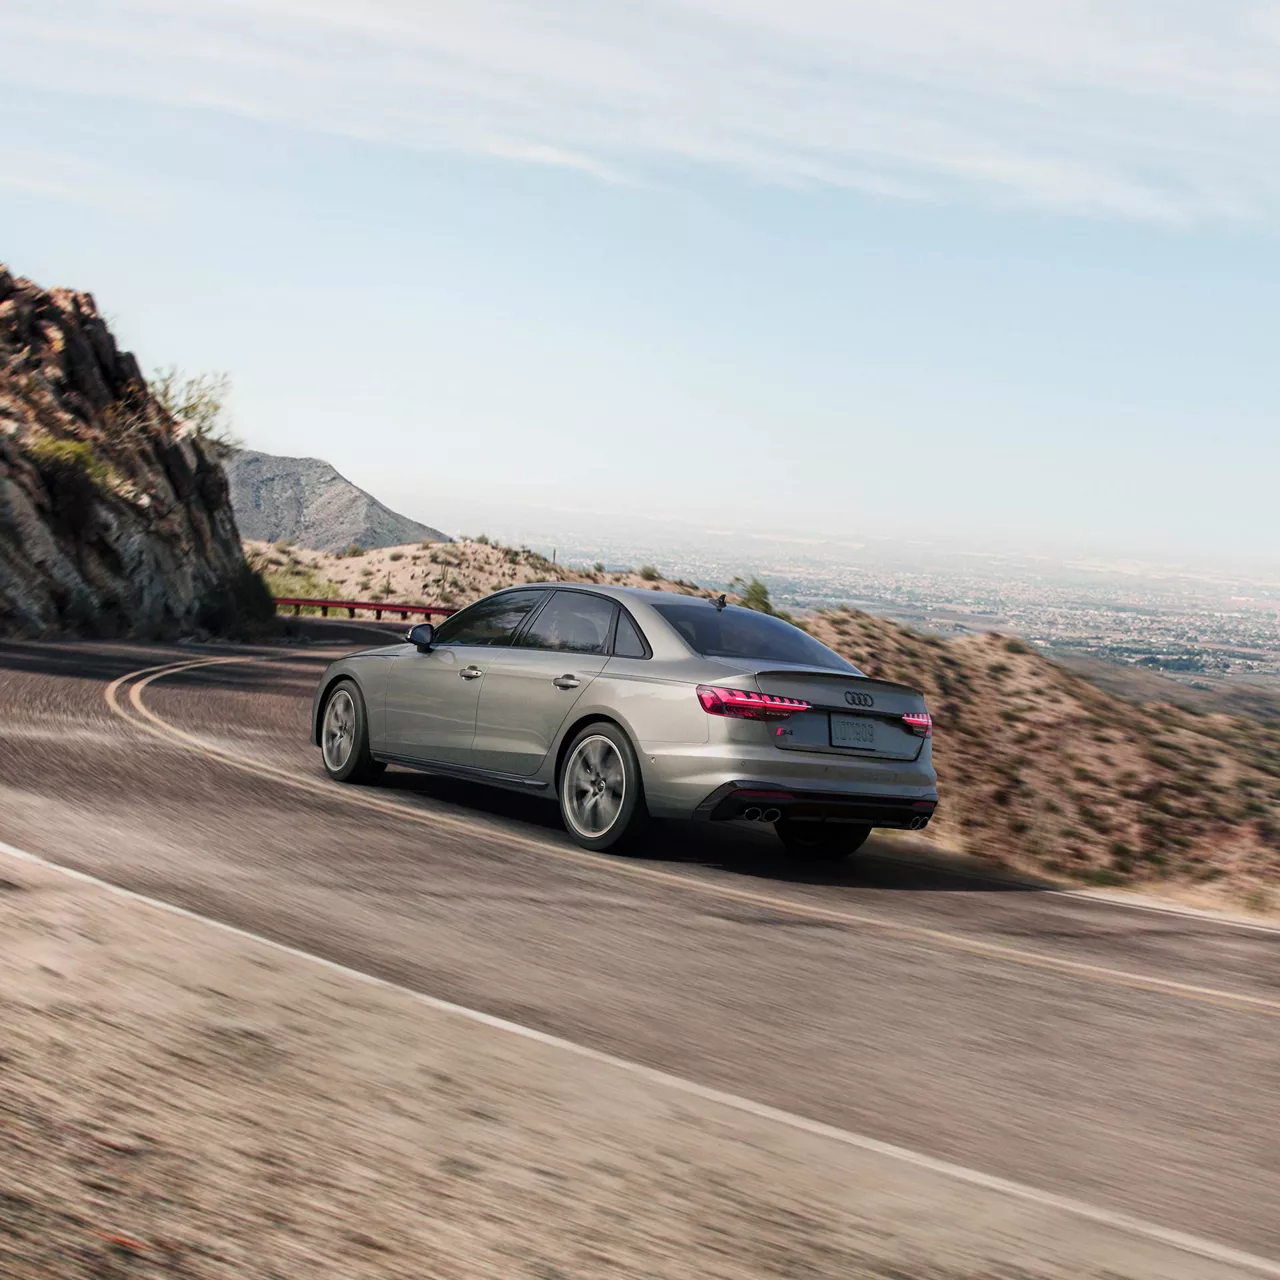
[1017,646]
[649,573]
[299,580]
[1103,877]
[753,595]
[353,552]
[482,539]
[200,401]
[396,555]
[73,474]
[1257,900]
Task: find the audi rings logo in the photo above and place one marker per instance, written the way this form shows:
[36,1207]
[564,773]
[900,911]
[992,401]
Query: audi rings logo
[859,699]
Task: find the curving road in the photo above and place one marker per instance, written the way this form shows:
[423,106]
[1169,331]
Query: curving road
[1122,1057]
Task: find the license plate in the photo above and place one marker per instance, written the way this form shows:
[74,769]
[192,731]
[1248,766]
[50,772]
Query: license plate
[853,731]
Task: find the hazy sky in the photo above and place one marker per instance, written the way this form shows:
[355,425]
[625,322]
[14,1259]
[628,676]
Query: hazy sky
[991,271]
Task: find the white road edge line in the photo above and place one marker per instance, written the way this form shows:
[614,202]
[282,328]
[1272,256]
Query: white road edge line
[1179,1240]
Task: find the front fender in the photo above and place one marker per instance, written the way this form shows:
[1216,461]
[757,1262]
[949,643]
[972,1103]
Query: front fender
[370,672]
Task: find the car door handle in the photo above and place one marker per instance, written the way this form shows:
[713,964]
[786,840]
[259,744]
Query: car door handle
[471,673]
[566,682]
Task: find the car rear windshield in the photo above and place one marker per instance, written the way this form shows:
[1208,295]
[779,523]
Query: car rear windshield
[734,632]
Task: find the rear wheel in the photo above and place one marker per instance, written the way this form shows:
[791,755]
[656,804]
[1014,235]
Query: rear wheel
[344,736]
[821,842]
[601,796]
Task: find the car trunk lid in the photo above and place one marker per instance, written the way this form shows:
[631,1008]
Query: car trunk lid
[850,715]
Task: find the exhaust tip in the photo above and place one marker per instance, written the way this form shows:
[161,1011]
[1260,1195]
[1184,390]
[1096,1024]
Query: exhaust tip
[919,824]
[752,814]
[771,815]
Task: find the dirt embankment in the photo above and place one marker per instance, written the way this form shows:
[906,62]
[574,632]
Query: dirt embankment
[1041,769]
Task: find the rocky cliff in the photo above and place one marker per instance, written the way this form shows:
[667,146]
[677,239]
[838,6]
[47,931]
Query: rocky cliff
[304,500]
[115,519]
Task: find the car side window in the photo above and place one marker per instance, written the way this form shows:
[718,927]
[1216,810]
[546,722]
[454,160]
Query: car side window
[572,622]
[489,622]
[628,642]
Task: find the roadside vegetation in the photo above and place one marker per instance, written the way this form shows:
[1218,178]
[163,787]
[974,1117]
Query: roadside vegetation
[289,572]
[198,401]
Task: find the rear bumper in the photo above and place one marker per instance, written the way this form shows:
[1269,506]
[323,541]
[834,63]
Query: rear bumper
[744,798]
[702,782]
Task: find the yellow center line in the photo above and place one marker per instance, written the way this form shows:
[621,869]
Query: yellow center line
[148,721]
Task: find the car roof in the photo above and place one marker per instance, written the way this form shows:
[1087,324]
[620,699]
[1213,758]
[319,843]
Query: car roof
[643,594]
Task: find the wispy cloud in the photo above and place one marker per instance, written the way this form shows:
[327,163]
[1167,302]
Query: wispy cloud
[77,180]
[1150,109]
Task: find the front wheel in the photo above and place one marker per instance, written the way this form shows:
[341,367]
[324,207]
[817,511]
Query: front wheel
[821,842]
[601,795]
[344,736]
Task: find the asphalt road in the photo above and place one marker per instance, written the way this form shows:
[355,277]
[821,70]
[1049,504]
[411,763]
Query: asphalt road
[1127,1058]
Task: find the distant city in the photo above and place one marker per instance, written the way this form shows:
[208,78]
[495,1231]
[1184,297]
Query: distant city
[1187,623]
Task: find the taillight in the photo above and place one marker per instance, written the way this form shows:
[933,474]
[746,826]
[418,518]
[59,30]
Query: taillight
[919,722]
[745,705]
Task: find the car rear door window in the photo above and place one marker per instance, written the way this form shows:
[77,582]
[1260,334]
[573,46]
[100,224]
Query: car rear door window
[493,621]
[572,622]
[735,632]
[629,643]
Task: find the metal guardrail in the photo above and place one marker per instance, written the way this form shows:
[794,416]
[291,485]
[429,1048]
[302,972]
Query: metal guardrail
[376,607]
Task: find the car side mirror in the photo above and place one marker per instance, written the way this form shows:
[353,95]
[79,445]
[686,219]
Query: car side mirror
[422,635]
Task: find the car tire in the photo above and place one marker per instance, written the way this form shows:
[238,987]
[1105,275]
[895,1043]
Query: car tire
[344,736]
[821,842]
[601,792]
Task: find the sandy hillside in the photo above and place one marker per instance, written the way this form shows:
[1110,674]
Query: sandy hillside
[1039,768]
[449,573]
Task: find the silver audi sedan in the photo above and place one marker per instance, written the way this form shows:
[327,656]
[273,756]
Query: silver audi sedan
[624,705]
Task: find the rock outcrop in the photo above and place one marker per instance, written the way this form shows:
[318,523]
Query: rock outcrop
[115,519]
[305,501]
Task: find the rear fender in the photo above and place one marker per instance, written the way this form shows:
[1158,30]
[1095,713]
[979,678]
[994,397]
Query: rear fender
[581,715]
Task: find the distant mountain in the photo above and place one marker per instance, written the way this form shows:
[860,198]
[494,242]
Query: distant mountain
[307,502]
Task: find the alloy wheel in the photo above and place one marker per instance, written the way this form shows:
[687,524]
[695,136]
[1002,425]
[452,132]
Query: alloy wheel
[338,736]
[595,786]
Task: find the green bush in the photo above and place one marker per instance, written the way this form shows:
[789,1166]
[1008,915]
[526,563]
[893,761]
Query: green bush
[649,573]
[74,475]
[200,401]
[752,595]
[300,581]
